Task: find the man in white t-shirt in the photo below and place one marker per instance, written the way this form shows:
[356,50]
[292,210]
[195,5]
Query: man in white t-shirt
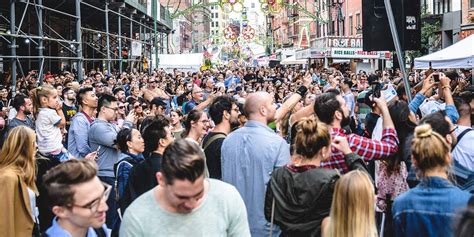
[185,203]
[463,152]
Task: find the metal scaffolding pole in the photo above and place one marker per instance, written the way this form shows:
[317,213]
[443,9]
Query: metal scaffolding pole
[39,13]
[80,73]
[150,59]
[140,38]
[131,40]
[120,40]
[29,45]
[13,46]
[107,35]
[162,43]
[155,41]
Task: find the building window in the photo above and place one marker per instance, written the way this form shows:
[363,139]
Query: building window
[217,15]
[217,24]
[472,4]
[252,5]
[358,20]
[333,28]
[351,26]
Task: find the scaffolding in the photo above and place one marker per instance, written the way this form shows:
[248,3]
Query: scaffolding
[56,35]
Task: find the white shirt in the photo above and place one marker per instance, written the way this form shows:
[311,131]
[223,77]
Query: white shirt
[48,133]
[378,129]
[464,150]
[34,211]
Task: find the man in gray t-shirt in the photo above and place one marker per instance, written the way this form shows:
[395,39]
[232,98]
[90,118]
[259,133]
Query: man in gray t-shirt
[23,106]
[185,203]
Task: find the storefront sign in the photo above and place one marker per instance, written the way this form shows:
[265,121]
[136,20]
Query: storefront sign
[356,53]
[345,42]
[311,53]
[303,54]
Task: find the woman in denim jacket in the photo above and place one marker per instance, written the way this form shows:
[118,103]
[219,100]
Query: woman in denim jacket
[430,208]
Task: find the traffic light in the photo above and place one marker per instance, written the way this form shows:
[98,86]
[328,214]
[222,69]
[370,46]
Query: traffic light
[376,29]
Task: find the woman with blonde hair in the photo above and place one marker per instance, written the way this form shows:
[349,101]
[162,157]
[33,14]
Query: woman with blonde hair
[430,208]
[17,181]
[299,195]
[353,207]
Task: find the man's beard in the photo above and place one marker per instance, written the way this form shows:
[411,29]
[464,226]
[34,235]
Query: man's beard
[346,121]
[234,124]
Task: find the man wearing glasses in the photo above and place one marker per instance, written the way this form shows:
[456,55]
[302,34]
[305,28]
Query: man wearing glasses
[77,198]
[99,88]
[197,101]
[102,135]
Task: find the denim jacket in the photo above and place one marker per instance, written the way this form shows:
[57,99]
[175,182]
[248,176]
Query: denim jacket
[429,208]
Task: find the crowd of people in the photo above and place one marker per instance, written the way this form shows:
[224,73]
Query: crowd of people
[238,152]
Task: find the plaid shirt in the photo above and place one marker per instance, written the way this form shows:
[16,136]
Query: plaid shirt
[367,148]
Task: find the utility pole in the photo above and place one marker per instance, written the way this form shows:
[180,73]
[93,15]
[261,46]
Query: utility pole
[398,48]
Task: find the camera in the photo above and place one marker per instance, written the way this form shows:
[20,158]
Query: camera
[377,90]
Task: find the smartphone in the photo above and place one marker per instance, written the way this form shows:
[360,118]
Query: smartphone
[97,153]
[436,77]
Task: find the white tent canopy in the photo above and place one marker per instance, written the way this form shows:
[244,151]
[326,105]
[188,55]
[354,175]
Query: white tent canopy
[458,55]
[293,60]
[182,62]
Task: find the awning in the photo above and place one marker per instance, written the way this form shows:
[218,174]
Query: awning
[184,62]
[458,55]
[292,60]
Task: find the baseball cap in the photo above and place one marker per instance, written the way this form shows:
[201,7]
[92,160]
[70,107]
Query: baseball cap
[158,101]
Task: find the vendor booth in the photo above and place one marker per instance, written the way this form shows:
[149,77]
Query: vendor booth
[458,55]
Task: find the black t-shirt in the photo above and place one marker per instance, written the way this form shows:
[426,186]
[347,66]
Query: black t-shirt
[249,77]
[3,104]
[142,177]
[69,112]
[213,155]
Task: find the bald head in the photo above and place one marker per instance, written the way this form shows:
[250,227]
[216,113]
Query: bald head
[255,101]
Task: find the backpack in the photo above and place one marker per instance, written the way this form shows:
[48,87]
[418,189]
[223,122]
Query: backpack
[212,139]
[127,160]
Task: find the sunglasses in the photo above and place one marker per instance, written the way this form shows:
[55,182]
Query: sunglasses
[121,107]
